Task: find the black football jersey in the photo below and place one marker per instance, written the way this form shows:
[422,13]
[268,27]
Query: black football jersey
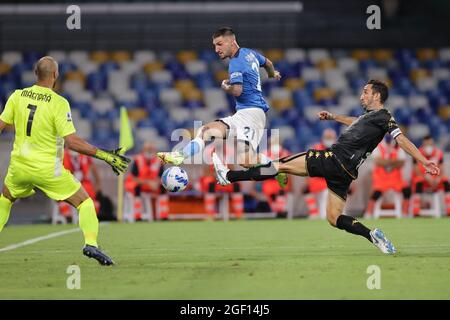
[358,141]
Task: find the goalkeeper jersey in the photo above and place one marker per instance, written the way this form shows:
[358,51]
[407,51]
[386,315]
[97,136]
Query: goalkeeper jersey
[41,119]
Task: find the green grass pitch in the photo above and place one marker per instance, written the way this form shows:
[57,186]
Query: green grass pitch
[275,259]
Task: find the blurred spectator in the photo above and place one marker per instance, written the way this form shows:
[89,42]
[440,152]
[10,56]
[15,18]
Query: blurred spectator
[210,188]
[276,196]
[255,200]
[315,185]
[423,182]
[145,178]
[389,160]
[85,170]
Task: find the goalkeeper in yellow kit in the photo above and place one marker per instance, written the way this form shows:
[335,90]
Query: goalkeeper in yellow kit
[43,124]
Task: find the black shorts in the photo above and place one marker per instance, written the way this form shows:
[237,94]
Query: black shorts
[323,163]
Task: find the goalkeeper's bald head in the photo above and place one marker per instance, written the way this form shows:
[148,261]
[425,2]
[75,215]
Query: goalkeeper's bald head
[46,69]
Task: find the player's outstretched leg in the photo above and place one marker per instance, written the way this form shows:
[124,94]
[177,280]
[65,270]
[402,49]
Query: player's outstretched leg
[205,133]
[5,208]
[247,158]
[226,176]
[295,165]
[335,207]
[89,225]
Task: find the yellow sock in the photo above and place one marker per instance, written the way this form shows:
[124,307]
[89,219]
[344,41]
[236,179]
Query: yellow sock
[5,209]
[88,221]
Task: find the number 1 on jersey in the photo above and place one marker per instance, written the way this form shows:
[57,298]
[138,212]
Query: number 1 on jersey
[30,118]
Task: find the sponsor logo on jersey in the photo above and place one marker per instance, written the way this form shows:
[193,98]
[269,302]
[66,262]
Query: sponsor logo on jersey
[235,75]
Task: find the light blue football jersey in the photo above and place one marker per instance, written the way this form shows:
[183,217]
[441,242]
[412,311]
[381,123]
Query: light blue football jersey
[244,69]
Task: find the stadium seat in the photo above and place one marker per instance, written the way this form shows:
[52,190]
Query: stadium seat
[121,56]
[294,55]
[335,79]
[383,55]
[11,57]
[170,98]
[179,87]
[103,105]
[361,54]
[73,87]
[380,210]
[315,55]
[311,74]
[83,96]
[142,57]
[28,78]
[347,65]
[99,56]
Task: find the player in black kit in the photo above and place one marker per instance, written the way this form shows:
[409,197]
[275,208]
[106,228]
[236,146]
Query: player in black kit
[339,164]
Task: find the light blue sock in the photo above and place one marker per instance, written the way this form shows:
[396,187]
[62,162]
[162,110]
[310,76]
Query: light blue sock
[263,159]
[193,147]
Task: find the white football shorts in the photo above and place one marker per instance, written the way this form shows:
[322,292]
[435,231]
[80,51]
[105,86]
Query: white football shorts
[247,125]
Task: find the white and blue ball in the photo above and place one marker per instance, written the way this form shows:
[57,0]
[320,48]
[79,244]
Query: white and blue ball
[174,179]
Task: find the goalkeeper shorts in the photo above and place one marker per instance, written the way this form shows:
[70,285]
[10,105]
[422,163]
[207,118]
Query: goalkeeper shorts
[21,183]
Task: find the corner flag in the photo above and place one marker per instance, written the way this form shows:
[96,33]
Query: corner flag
[126,142]
[126,135]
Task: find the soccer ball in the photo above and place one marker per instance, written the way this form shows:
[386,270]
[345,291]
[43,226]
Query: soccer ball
[174,179]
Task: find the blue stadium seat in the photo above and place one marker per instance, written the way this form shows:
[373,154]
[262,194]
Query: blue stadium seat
[66,66]
[366,64]
[193,104]
[204,81]
[96,82]
[31,58]
[208,55]
[107,67]
[146,123]
[403,116]
[147,87]
[302,99]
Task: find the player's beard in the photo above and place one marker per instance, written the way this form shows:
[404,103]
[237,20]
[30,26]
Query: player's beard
[365,106]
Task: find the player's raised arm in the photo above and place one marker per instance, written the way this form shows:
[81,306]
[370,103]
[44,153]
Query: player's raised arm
[271,72]
[412,150]
[325,115]
[118,163]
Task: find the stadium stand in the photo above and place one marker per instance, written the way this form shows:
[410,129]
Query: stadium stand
[163,91]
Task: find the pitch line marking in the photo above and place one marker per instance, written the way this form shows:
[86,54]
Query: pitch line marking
[42,238]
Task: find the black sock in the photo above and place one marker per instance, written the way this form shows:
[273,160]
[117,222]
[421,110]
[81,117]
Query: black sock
[260,173]
[352,225]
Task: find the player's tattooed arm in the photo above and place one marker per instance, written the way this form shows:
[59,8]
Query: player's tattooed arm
[412,150]
[325,115]
[233,89]
[271,72]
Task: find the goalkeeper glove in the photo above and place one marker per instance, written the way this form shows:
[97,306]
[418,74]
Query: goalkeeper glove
[118,163]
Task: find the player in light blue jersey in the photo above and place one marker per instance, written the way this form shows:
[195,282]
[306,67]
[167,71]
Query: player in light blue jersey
[249,121]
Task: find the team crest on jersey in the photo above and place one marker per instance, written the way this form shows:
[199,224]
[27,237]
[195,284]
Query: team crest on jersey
[392,123]
[69,116]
